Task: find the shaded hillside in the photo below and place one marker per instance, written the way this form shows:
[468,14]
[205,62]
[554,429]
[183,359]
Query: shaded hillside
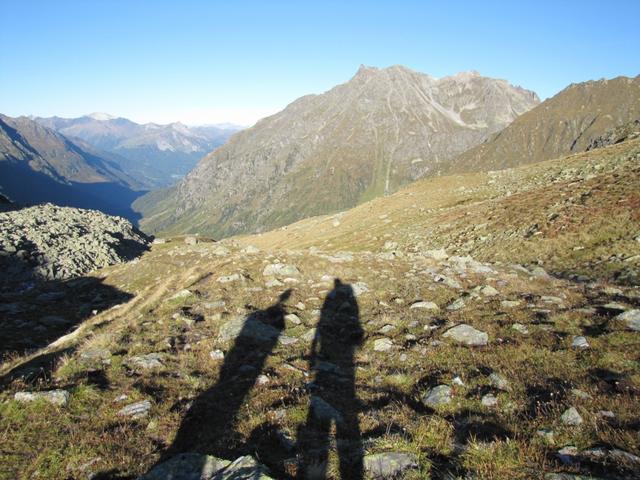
[563,124]
[362,139]
[38,165]
[157,155]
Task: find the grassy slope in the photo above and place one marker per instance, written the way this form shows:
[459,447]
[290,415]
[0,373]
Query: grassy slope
[464,436]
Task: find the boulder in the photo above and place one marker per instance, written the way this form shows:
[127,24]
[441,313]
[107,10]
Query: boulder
[389,464]
[467,335]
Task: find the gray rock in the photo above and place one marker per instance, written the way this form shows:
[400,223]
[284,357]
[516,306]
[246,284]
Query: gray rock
[568,454]
[55,397]
[631,318]
[509,303]
[437,254]
[96,355]
[571,417]
[520,328]
[190,240]
[489,291]
[280,270]
[467,335]
[457,305]
[579,342]
[234,277]
[146,362]
[292,318]
[439,395]
[359,288]
[489,400]
[382,345]
[136,410]
[187,466]
[243,468]
[424,305]
[547,434]
[181,295]
[216,355]
[498,381]
[323,411]
[247,326]
[389,465]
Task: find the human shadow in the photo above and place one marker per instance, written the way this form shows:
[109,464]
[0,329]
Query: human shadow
[208,426]
[333,391]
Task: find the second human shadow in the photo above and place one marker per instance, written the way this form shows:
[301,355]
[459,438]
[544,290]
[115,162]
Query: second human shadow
[333,391]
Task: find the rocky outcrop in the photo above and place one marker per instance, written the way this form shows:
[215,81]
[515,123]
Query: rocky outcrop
[55,243]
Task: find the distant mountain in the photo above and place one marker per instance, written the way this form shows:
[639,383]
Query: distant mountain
[564,124]
[40,165]
[157,155]
[362,139]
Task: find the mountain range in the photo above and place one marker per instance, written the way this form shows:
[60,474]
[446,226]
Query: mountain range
[156,155]
[368,137]
[40,165]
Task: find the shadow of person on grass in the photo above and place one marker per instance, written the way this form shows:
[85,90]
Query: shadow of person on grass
[333,391]
[208,426]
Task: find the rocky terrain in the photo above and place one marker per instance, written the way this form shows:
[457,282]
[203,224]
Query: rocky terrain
[323,153]
[156,155]
[39,165]
[49,242]
[474,326]
[564,124]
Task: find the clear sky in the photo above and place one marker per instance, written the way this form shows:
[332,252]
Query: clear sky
[236,61]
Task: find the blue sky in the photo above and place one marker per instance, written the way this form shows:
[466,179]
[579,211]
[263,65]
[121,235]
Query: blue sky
[235,61]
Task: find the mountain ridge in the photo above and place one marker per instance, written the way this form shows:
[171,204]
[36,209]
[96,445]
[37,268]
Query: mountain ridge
[364,138]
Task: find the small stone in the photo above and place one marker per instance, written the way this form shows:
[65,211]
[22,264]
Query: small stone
[250,250]
[359,288]
[55,397]
[439,395]
[579,342]
[323,411]
[191,240]
[457,381]
[292,318]
[438,254]
[489,400]
[389,465]
[262,380]
[571,417]
[498,381]
[520,328]
[182,295]
[606,414]
[136,410]
[146,362]
[631,318]
[280,270]
[509,303]
[382,345]
[187,466]
[568,454]
[467,335]
[581,394]
[216,355]
[457,305]
[386,329]
[273,283]
[547,434]
[234,277]
[489,291]
[424,305]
